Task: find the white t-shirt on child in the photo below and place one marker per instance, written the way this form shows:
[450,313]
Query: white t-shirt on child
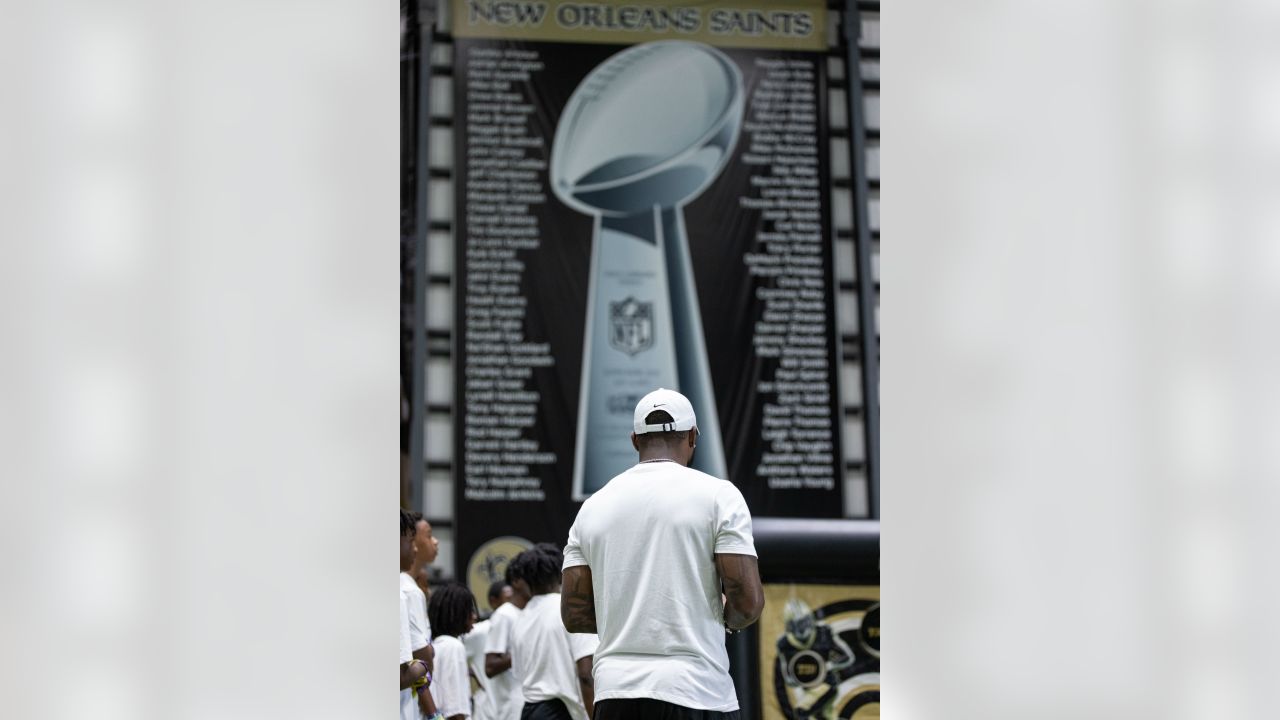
[419,637]
[450,683]
[406,649]
[545,655]
[482,700]
[505,686]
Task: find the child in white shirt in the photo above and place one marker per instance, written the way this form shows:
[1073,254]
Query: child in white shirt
[452,612]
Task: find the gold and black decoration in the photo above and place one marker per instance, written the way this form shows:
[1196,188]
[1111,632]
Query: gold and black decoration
[820,652]
[488,564]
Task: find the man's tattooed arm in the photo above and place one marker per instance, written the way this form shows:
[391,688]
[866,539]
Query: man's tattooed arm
[577,601]
[744,595]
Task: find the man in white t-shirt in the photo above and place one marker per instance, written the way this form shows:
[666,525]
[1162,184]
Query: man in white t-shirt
[415,702]
[647,561]
[554,665]
[503,682]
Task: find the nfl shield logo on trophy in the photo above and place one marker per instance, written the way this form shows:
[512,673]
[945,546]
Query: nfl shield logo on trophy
[631,326]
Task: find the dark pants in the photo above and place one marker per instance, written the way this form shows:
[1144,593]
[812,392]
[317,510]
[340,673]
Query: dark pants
[649,709]
[545,710]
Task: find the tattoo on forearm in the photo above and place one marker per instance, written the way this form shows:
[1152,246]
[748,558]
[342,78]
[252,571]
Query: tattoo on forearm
[578,604]
[743,595]
[735,593]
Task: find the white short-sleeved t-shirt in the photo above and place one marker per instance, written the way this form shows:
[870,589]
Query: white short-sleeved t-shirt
[482,700]
[406,645]
[409,709]
[419,626]
[419,637]
[505,686]
[545,655]
[650,537]
[450,683]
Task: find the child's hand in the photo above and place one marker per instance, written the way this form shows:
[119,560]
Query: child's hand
[425,702]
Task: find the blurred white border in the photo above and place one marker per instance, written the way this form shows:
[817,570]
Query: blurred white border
[1079,391]
[1079,385]
[198,303]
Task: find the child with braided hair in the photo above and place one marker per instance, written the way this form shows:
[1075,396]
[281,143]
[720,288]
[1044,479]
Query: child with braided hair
[452,611]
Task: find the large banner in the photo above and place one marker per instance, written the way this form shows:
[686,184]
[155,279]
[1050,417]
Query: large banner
[820,652]
[641,202]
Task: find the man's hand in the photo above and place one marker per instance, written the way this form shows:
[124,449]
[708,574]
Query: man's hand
[744,595]
[578,600]
[426,703]
[587,684]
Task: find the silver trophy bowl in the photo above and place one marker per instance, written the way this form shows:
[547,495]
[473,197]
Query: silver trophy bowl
[643,134]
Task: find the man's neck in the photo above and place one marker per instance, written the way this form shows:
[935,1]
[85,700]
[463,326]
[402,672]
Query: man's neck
[660,455]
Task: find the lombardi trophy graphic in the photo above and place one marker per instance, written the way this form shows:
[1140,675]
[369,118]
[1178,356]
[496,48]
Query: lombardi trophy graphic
[644,133]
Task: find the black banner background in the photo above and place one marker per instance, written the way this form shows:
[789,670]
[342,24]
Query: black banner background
[554,281]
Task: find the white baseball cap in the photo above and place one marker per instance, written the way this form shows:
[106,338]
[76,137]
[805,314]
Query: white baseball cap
[669,401]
